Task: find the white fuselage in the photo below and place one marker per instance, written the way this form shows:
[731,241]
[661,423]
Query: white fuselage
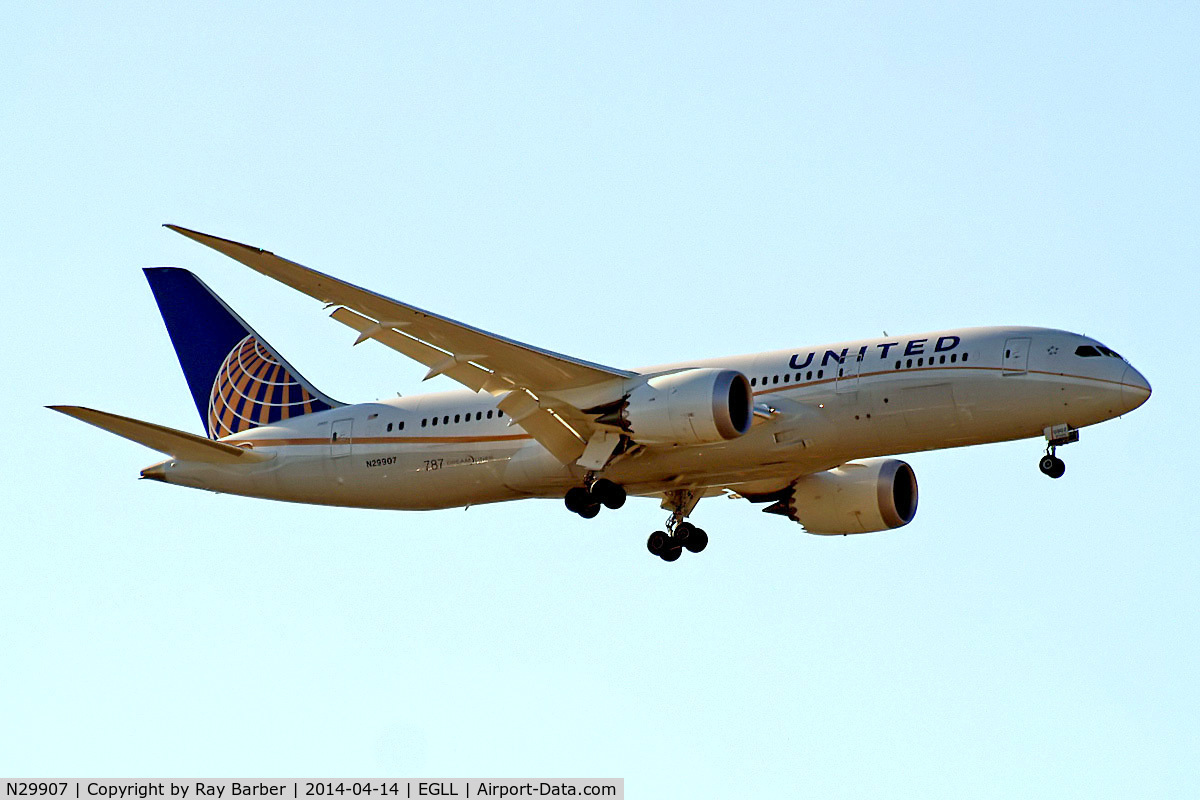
[886,396]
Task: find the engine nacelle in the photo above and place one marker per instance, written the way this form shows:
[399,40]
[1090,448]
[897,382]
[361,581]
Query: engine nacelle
[857,497]
[695,406]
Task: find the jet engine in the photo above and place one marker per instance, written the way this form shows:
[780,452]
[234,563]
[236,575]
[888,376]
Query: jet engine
[857,497]
[694,406]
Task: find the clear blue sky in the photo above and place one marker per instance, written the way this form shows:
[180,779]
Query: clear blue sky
[630,184]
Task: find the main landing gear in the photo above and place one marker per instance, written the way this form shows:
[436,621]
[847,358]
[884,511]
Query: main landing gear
[586,502]
[669,545]
[1056,436]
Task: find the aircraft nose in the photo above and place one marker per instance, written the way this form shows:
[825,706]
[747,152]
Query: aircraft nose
[1135,389]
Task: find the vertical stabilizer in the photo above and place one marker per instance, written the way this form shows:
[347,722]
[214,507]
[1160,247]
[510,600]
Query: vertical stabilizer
[237,380]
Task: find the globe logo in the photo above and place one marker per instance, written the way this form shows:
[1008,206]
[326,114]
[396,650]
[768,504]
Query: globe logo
[252,388]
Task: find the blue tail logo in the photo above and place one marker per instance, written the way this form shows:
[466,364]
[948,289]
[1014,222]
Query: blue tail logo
[237,380]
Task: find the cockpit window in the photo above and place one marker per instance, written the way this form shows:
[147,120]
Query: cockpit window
[1089,351]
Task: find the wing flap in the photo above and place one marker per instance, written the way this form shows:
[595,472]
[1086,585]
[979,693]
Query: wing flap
[469,374]
[178,444]
[550,430]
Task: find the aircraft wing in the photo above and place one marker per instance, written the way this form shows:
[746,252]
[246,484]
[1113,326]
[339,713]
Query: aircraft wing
[477,359]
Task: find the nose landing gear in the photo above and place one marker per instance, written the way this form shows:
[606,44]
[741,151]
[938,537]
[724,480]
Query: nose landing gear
[1056,436]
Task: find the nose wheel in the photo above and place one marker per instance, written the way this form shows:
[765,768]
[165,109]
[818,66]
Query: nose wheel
[1052,465]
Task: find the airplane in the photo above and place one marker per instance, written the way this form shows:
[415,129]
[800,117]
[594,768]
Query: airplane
[809,434]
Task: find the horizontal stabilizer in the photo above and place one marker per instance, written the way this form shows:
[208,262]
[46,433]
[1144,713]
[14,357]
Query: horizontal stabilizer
[178,444]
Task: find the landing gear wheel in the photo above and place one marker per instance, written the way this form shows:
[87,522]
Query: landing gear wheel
[1052,465]
[680,533]
[697,541]
[610,494]
[577,500]
[589,511]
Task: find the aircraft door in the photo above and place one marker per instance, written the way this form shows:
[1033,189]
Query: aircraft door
[1016,356]
[847,375]
[341,437]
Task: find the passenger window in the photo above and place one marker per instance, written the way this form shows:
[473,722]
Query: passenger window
[787,378]
[389,427]
[754,381]
[457,418]
[435,422]
[478,415]
[921,362]
[897,365]
[808,377]
[942,360]
[965,356]
[820,373]
[775,379]
[798,376]
[953,357]
[908,364]
[446,420]
[423,421]
[401,425]
[489,414]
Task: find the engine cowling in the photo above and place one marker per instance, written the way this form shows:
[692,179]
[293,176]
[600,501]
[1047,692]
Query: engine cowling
[694,406]
[858,497]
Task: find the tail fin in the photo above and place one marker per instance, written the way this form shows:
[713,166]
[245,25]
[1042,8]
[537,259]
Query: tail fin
[237,380]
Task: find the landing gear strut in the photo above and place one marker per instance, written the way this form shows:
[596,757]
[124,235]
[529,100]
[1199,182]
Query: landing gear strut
[1056,436]
[669,545]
